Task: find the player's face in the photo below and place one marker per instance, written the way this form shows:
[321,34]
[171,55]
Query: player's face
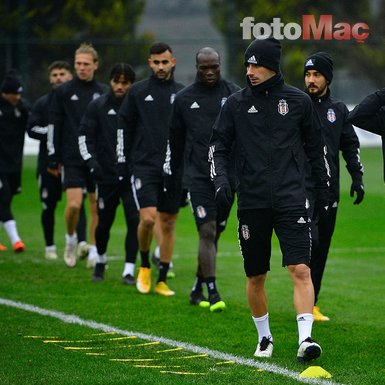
[85,66]
[59,76]
[258,74]
[316,84]
[208,69]
[120,86]
[11,98]
[162,65]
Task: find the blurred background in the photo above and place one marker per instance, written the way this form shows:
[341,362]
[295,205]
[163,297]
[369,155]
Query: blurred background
[33,33]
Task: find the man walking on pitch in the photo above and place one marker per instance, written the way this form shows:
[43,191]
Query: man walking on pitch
[339,135]
[194,112]
[143,118]
[273,127]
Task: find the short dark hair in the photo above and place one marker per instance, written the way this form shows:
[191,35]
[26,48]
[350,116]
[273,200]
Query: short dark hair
[58,64]
[158,48]
[122,69]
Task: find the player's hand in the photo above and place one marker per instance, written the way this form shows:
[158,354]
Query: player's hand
[170,185]
[223,196]
[95,169]
[54,170]
[358,188]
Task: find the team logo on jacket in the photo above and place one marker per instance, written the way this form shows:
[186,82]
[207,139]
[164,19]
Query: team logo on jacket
[201,212]
[245,232]
[95,95]
[172,98]
[331,115]
[17,113]
[223,101]
[283,107]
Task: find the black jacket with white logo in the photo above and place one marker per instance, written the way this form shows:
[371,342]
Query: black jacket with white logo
[68,106]
[370,116]
[339,135]
[37,128]
[144,117]
[194,112]
[13,124]
[274,127]
[100,140]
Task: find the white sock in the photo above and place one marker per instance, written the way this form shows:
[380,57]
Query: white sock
[157,252]
[11,229]
[71,239]
[101,258]
[50,248]
[305,324]
[129,268]
[92,251]
[263,328]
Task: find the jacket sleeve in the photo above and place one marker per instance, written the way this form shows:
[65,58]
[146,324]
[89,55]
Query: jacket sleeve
[127,120]
[315,150]
[221,145]
[350,148]
[174,160]
[87,138]
[368,115]
[55,131]
[37,126]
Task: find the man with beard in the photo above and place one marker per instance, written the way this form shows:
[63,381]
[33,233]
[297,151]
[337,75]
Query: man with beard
[143,118]
[101,146]
[339,135]
[194,112]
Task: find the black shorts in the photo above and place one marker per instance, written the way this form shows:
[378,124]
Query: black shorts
[11,183]
[78,177]
[50,188]
[204,206]
[149,192]
[255,229]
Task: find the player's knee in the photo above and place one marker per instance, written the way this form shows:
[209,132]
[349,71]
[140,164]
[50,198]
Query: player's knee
[207,231]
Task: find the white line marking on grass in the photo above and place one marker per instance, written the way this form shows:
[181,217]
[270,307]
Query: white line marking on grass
[74,319]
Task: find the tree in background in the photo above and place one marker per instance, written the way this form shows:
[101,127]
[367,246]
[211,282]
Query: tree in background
[34,33]
[367,57]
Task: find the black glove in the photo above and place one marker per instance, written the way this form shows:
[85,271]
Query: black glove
[321,208]
[170,184]
[358,187]
[223,196]
[184,199]
[95,169]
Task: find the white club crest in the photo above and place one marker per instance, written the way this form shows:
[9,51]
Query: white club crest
[201,212]
[172,98]
[283,107]
[331,115]
[245,232]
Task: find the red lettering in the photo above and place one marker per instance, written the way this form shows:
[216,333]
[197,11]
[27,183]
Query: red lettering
[309,26]
[360,36]
[343,31]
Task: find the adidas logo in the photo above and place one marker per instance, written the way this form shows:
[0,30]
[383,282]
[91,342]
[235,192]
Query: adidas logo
[252,59]
[148,98]
[309,63]
[74,97]
[301,319]
[111,112]
[252,110]
[301,220]
[195,105]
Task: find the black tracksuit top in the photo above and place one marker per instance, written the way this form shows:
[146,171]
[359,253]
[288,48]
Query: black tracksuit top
[68,106]
[99,138]
[194,112]
[37,128]
[273,127]
[370,116]
[339,135]
[13,125]
[144,118]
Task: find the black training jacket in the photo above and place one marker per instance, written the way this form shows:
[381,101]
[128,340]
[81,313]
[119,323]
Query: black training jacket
[100,140]
[144,117]
[274,127]
[339,135]
[370,116]
[68,106]
[13,124]
[194,112]
[37,128]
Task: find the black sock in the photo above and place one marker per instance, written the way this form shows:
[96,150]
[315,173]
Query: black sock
[212,287]
[145,257]
[163,269]
[198,284]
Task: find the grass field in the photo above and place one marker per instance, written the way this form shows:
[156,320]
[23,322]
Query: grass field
[122,337]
